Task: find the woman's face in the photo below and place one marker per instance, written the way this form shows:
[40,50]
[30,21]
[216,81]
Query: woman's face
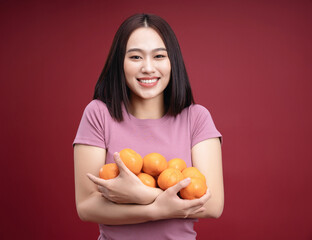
[146,65]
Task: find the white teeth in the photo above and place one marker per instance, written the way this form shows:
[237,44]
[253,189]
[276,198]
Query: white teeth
[148,81]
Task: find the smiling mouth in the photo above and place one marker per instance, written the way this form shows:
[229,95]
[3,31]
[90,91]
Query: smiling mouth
[148,80]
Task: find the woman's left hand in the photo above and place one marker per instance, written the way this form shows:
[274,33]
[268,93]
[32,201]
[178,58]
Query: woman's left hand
[170,205]
[126,187]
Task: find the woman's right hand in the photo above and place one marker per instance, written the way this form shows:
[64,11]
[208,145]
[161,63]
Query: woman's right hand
[169,205]
[126,187]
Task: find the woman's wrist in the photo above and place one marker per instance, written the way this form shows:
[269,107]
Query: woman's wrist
[147,195]
[153,212]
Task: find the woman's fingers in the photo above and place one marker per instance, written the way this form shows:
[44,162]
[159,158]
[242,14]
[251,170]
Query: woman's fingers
[101,184]
[197,205]
[182,184]
[194,210]
[199,210]
[96,180]
[206,196]
[102,189]
[194,203]
[199,202]
[121,166]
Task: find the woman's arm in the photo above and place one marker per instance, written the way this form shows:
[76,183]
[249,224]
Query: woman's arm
[92,206]
[206,156]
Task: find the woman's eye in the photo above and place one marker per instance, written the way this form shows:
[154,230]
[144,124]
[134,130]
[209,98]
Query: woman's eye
[135,57]
[160,56]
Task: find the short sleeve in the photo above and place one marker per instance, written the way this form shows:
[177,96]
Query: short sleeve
[91,127]
[202,125]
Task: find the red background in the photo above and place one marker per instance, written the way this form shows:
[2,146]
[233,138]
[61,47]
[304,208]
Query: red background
[249,63]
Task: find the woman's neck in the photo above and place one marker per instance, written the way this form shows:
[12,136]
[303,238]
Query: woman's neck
[147,108]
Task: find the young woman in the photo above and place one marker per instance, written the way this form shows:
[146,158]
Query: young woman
[143,101]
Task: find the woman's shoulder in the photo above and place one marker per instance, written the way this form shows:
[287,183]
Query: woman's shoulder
[96,108]
[96,104]
[198,114]
[197,109]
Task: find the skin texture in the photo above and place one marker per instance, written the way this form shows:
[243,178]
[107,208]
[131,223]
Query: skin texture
[112,201]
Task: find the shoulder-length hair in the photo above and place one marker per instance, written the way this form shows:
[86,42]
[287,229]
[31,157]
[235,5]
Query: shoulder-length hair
[111,86]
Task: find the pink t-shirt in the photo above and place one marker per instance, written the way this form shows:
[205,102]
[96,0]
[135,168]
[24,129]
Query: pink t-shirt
[173,137]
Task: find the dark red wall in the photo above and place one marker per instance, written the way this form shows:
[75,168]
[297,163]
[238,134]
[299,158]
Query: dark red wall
[249,63]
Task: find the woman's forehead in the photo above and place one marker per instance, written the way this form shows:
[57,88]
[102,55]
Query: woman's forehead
[145,38]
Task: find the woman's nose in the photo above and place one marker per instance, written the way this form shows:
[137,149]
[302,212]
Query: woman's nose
[148,66]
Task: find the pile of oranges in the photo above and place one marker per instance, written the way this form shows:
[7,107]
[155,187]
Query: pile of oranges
[154,171]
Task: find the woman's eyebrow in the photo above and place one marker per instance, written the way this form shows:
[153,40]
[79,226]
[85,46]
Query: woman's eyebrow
[141,50]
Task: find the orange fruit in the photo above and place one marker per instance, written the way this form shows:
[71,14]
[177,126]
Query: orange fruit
[109,171]
[147,179]
[177,163]
[193,172]
[132,160]
[196,189]
[169,177]
[154,164]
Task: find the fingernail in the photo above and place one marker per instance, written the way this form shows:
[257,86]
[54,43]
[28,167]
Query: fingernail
[89,175]
[186,180]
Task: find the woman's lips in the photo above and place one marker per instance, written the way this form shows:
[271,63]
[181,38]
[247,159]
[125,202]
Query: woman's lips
[148,81]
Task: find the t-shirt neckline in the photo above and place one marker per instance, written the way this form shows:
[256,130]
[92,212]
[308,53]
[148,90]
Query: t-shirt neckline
[139,121]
